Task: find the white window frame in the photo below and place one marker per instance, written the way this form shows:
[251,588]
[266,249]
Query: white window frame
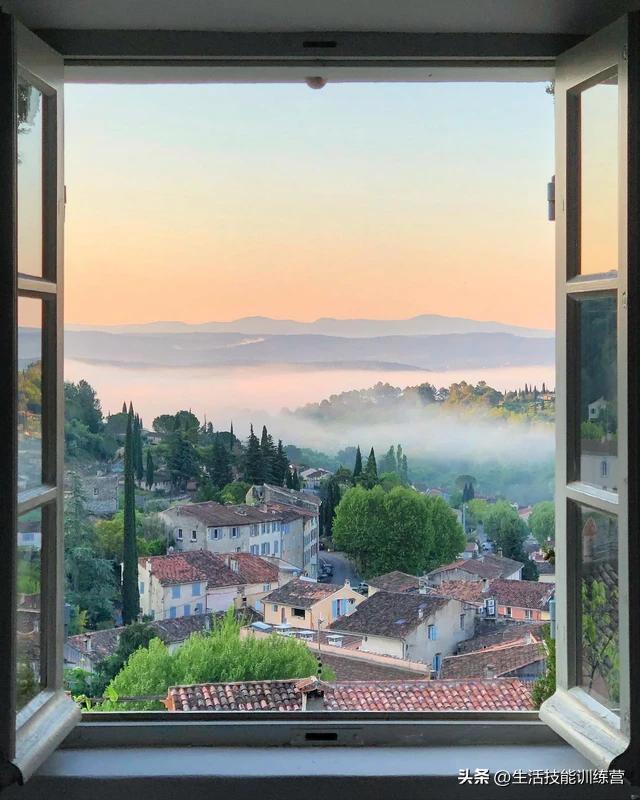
[6,688]
[586,724]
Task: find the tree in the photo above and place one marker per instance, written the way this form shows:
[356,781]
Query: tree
[150,470]
[330,496]
[295,481]
[281,465]
[182,459]
[357,469]
[388,463]
[269,454]
[404,471]
[542,522]
[220,655]
[216,461]
[370,478]
[137,449]
[90,582]
[130,593]
[545,685]
[235,492]
[506,530]
[124,407]
[397,530]
[253,462]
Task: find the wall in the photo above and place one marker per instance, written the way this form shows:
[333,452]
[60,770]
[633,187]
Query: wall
[449,633]
[321,609]
[518,613]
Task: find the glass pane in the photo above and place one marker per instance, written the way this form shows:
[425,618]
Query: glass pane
[29,393]
[598,643]
[29,673]
[599,178]
[29,179]
[597,392]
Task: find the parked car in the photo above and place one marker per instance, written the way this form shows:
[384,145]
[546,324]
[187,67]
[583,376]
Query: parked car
[363,588]
[326,567]
[324,578]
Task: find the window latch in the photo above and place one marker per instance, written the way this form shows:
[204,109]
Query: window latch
[551,199]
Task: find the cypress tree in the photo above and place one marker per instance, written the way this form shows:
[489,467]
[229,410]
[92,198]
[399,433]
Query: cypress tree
[399,459]
[130,594]
[231,437]
[253,466]
[281,467]
[221,473]
[295,481]
[371,470]
[150,469]
[289,479]
[137,453]
[269,453]
[404,475]
[124,408]
[357,469]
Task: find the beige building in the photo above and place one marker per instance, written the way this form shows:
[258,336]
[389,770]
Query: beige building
[304,603]
[285,532]
[414,627]
[199,582]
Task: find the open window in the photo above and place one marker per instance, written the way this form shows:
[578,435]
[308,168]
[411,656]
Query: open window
[31,492]
[595,707]
[597,703]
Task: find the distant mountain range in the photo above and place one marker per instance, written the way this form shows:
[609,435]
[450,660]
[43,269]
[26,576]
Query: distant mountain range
[422,325]
[439,352]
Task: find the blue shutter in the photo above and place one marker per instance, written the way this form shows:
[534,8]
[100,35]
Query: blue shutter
[334,609]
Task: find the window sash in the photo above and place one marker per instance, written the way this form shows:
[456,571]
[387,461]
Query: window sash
[586,724]
[28,737]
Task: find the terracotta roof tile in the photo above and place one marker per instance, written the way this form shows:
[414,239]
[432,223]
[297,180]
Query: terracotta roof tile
[521,594]
[499,694]
[485,566]
[190,566]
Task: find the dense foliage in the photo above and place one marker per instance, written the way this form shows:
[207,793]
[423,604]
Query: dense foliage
[397,530]
[220,655]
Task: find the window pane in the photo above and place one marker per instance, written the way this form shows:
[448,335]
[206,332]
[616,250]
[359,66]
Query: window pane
[29,393]
[29,179]
[597,392]
[29,673]
[599,178]
[598,642]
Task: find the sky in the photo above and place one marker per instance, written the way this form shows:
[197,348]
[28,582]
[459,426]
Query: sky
[213,202]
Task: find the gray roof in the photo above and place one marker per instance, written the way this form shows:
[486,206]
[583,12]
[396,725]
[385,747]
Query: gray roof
[390,614]
[215,514]
[301,593]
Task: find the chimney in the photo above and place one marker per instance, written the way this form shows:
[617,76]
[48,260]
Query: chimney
[422,585]
[312,694]
[149,566]
[88,643]
[420,613]
[347,583]
[489,672]
[485,584]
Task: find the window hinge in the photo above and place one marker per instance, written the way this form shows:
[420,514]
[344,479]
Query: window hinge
[551,199]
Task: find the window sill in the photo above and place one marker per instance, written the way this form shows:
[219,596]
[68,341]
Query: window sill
[346,772]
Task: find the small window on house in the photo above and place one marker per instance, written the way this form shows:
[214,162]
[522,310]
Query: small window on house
[266,587]
[274,607]
[179,535]
[95,491]
[234,533]
[507,611]
[275,547]
[462,621]
[238,549]
[604,469]
[215,534]
[255,550]
[194,536]
[173,612]
[195,589]
[432,632]
[187,610]
[141,587]
[298,612]
[528,613]
[175,592]
[436,663]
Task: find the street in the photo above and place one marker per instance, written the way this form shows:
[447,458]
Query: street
[342,568]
